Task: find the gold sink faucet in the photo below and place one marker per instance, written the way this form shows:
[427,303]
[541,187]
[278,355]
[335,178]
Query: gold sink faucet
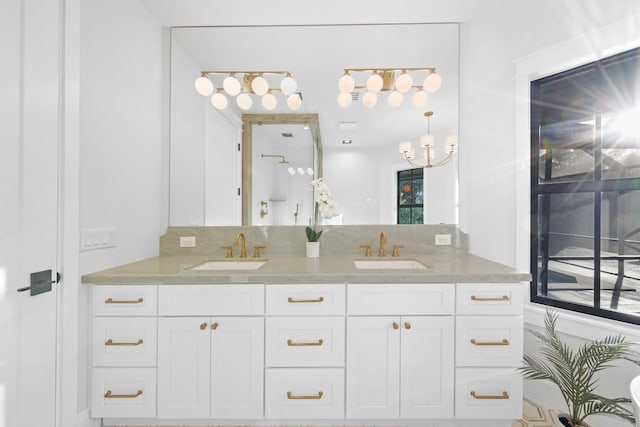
[243,250]
[383,241]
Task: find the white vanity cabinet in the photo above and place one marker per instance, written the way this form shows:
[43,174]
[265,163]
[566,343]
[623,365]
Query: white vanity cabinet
[400,357]
[124,331]
[489,343]
[210,366]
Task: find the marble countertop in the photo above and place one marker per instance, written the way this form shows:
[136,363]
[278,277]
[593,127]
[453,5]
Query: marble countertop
[301,270]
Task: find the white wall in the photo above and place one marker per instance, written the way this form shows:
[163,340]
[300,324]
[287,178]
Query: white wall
[123,140]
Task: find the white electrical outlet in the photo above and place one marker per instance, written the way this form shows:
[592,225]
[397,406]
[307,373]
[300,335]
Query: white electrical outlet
[98,238]
[443,239]
[188,242]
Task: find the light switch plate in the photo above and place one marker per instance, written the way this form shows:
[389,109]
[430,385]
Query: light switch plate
[443,239]
[188,242]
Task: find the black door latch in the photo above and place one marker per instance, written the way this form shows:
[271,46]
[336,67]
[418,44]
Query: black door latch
[40,282]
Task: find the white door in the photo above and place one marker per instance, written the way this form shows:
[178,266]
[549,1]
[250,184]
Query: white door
[427,367]
[237,367]
[29,144]
[184,367]
[373,367]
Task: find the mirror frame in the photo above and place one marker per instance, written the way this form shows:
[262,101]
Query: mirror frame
[248,120]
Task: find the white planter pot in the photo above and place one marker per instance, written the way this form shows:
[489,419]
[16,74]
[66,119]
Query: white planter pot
[313,249]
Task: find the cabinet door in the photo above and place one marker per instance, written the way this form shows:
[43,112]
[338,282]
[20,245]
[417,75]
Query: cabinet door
[373,367]
[183,367]
[427,367]
[237,363]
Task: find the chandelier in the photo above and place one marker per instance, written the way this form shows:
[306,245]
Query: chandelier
[244,84]
[426,142]
[396,81]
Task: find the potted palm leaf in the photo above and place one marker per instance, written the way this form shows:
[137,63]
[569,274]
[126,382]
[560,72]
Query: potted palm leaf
[573,372]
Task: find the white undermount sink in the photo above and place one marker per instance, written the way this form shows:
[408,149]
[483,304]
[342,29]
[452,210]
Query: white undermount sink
[229,265]
[389,264]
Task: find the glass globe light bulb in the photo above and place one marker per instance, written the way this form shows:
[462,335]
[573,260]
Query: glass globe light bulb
[294,102]
[310,171]
[344,99]
[432,82]
[346,83]
[395,99]
[288,86]
[219,101]
[369,99]
[244,101]
[420,99]
[291,171]
[427,140]
[204,86]
[259,85]
[300,171]
[231,85]
[404,82]
[269,101]
[374,83]
[404,147]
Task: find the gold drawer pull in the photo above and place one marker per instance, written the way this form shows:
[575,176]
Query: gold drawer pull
[291,300]
[115,301]
[203,326]
[291,396]
[109,395]
[502,298]
[132,344]
[395,325]
[303,344]
[214,325]
[503,342]
[504,395]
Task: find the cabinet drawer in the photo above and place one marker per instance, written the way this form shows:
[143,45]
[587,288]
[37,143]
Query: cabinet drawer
[306,341]
[305,299]
[487,393]
[489,298]
[124,300]
[489,341]
[419,298]
[304,393]
[124,341]
[205,300]
[123,393]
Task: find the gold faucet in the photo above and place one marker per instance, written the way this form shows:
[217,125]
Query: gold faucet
[243,250]
[383,241]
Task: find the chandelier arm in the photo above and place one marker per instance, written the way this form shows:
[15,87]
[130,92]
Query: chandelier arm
[443,161]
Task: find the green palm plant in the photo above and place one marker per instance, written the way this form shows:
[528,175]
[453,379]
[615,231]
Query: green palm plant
[573,371]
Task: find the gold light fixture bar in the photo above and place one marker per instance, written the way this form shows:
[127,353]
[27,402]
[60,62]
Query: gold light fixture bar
[396,81]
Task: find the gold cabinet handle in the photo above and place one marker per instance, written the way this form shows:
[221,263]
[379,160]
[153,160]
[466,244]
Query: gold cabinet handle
[109,395]
[291,300]
[203,326]
[214,325]
[110,342]
[504,395]
[502,298]
[395,325]
[115,301]
[292,396]
[407,325]
[304,344]
[503,342]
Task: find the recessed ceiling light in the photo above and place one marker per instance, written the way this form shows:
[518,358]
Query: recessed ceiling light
[346,141]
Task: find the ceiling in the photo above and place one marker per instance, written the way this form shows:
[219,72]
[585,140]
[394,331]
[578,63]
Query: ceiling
[317,55]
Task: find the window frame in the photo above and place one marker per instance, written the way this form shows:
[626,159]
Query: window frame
[596,186]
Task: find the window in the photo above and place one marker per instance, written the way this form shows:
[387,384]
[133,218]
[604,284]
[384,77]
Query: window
[410,196]
[585,188]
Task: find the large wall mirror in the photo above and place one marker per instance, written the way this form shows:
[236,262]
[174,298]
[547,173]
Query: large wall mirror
[284,149]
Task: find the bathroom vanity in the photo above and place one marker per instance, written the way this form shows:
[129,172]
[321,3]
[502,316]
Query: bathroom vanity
[298,341]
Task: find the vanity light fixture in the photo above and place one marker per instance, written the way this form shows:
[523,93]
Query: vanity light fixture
[426,142]
[396,81]
[244,84]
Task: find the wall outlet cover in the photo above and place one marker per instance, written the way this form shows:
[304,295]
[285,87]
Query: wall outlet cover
[188,242]
[443,239]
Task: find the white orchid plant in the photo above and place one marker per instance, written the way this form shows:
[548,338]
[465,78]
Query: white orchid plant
[325,208]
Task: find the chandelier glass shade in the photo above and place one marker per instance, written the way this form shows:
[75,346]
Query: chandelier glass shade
[247,85]
[395,81]
[427,143]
